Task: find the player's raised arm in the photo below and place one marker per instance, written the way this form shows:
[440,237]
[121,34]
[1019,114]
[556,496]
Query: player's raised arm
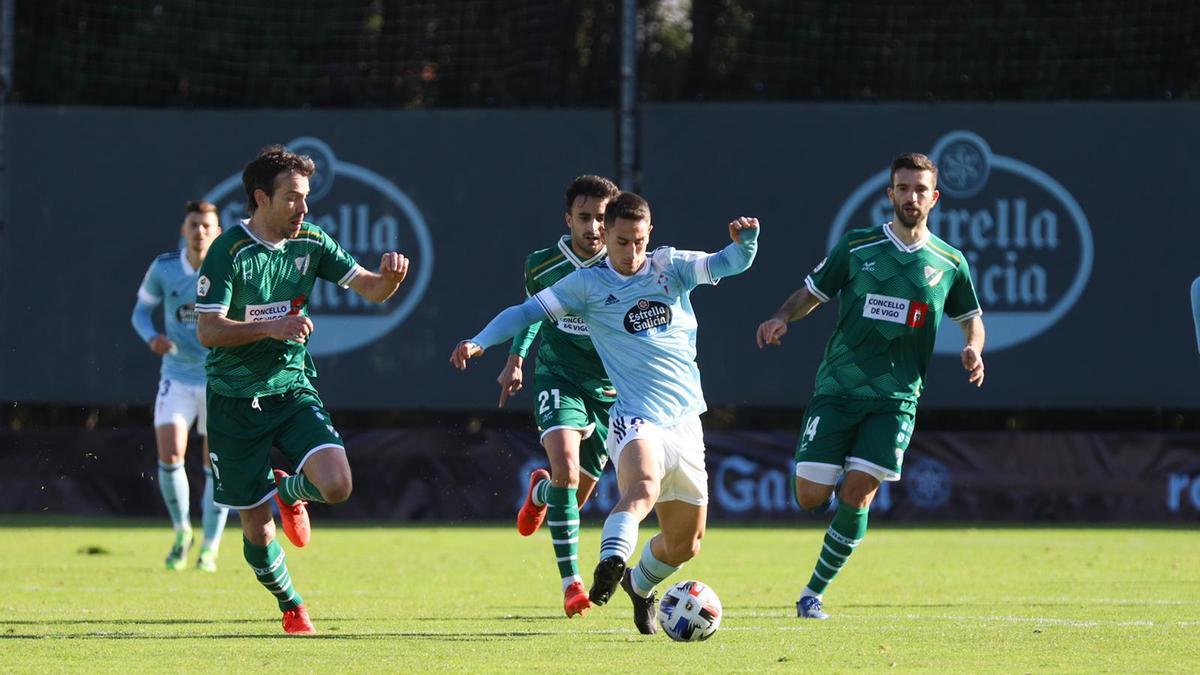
[503,327]
[379,286]
[738,256]
[972,353]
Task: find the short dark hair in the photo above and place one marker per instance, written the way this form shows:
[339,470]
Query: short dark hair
[914,161]
[198,206]
[591,186]
[263,171]
[626,205]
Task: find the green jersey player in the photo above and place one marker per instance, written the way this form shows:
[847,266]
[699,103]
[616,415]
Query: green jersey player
[252,304]
[573,392]
[895,283]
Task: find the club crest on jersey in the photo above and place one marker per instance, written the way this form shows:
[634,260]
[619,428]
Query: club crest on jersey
[202,286]
[647,316]
[895,310]
[933,275]
[302,263]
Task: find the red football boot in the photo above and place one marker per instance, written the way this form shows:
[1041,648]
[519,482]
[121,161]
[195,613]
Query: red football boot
[530,517]
[296,622]
[575,600]
[294,517]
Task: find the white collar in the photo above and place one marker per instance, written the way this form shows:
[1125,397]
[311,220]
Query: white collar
[564,245]
[916,246]
[188,270]
[255,237]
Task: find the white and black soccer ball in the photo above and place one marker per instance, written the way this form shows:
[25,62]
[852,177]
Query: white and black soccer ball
[689,611]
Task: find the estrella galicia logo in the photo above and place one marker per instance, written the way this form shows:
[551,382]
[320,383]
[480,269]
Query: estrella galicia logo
[186,314]
[369,216]
[647,316]
[1026,239]
[928,484]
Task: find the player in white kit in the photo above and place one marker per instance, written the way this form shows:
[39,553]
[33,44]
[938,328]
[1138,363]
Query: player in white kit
[171,282]
[639,313]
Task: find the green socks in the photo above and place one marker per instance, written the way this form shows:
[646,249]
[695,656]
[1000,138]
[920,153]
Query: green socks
[299,488]
[562,517]
[843,536]
[271,571]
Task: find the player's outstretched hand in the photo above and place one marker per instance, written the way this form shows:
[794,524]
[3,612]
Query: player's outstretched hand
[740,224]
[465,351]
[292,327]
[159,344]
[393,267]
[973,363]
[510,379]
[770,331]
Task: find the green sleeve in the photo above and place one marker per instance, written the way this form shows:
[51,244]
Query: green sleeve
[336,264]
[962,302]
[214,286]
[832,273]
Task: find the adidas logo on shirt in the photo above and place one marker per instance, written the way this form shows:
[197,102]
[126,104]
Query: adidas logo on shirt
[610,300]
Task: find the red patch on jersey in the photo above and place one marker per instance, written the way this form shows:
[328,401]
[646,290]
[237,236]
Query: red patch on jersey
[297,305]
[917,312]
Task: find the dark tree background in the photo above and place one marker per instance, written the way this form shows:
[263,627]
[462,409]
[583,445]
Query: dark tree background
[550,53]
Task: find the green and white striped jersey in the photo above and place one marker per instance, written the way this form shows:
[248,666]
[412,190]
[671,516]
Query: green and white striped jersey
[247,279]
[892,297]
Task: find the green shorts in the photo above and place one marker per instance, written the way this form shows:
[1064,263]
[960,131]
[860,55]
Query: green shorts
[840,434]
[241,432]
[560,404]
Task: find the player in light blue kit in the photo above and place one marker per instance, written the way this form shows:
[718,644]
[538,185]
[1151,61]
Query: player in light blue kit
[171,282]
[639,313]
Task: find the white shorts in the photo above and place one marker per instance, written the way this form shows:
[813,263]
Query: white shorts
[181,404]
[679,449]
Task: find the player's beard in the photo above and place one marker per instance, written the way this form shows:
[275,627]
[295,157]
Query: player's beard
[900,218]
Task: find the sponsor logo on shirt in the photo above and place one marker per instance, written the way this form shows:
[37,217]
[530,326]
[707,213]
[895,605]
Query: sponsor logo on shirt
[573,325]
[256,313]
[186,314]
[610,300]
[868,266]
[648,316]
[895,310]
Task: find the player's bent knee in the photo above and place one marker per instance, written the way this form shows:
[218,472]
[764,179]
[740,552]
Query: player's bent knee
[566,478]
[337,490]
[810,496]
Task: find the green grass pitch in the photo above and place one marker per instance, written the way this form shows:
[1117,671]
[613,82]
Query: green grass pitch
[91,596]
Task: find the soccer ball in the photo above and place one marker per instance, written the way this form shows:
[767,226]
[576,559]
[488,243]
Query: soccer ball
[689,611]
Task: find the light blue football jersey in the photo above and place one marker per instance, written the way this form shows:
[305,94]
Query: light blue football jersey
[171,282]
[643,328]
